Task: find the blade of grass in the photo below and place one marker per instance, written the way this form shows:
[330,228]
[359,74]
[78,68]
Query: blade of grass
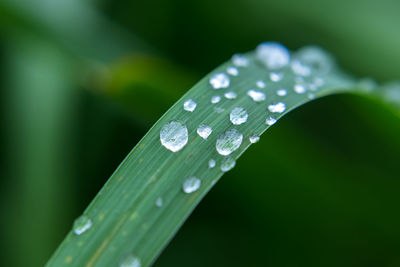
[125,220]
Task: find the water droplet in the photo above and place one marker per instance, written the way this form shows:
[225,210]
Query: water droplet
[270,121]
[204,131]
[131,261]
[191,185]
[240,60]
[281,92]
[219,109]
[82,224]
[257,96]
[273,55]
[215,99]
[260,84]
[174,136]
[299,68]
[230,95]
[277,108]
[315,58]
[238,116]
[311,96]
[220,80]
[299,88]
[232,71]
[254,139]
[275,77]
[211,163]
[189,105]
[228,164]
[159,202]
[228,142]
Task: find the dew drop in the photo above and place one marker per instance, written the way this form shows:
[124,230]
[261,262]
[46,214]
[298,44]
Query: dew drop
[228,142]
[281,92]
[254,139]
[131,261]
[270,121]
[230,95]
[260,84]
[273,55]
[299,88]
[228,164]
[215,99]
[238,116]
[299,68]
[275,77]
[277,108]
[240,60]
[159,202]
[174,136]
[211,163]
[204,131]
[82,224]
[315,58]
[191,185]
[257,96]
[220,80]
[232,71]
[189,105]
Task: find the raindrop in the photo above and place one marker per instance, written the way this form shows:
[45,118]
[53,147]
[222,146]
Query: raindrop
[131,261]
[260,84]
[191,185]
[189,105]
[232,71]
[229,142]
[230,95]
[299,88]
[275,77]
[220,80]
[228,164]
[238,116]
[215,99]
[204,131]
[257,96]
[240,60]
[174,136]
[211,163]
[277,108]
[159,202]
[82,224]
[270,121]
[299,68]
[273,55]
[254,139]
[281,92]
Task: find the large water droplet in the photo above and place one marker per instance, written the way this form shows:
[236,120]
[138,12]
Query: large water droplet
[238,116]
[204,131]
[240,60]
[315,58]
[215,99]
[131,261]
[159,202]
[228,164]
[299,68]
[273,55]
[174,136]
[230,95]
[260,84]
[191,185]
[82,224]
[275,76]
[257,96]
[220,80]
[229,142]
[277,108]
[270,121]
[189,105]
[254,139]
[281,92]
[232,71]
[211,163]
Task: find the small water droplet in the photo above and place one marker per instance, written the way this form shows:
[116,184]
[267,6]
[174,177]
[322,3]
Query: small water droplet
[257,96]
[191,185]
[189,105]
[270,121]
[131,261]
[159,202]
[281,92]
[240,60]
[277,108]
[211,163]
[215,99]
[260,84]
[254,139]
[299,68]
[230,95]
[311,96]
[299,88]
[82,224]
[238,116]
[228,142]
[232,71]
[273,55]
[174,136]
[275,76]
[220,80]
[204,131]
[228,164]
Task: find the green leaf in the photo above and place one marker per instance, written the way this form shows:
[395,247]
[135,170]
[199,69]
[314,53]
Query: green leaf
[127,221]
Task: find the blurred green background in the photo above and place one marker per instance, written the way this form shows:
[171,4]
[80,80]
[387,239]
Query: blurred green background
[82,81]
